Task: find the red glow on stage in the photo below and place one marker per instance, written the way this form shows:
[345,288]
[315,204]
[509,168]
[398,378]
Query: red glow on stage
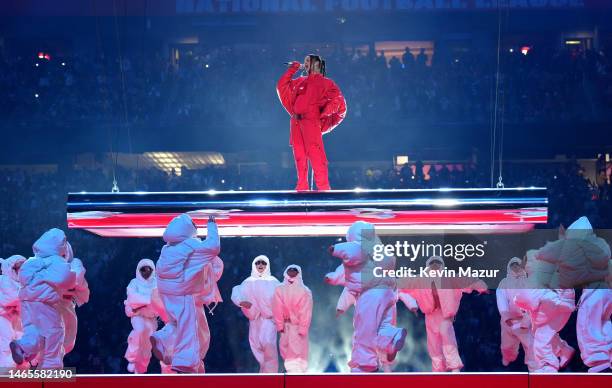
[392,380]
[316,223]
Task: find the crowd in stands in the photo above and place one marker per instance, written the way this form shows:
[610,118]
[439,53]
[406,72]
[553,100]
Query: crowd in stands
[33,203]
[232,86]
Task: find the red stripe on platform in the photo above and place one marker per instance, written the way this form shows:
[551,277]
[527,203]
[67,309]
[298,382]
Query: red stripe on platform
[467,217]
[310,223]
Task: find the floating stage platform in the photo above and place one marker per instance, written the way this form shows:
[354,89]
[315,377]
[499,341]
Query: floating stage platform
[311,213]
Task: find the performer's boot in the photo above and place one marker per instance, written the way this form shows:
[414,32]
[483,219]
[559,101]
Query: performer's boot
[397,344]
[17,353]
[319,167]
[301,166]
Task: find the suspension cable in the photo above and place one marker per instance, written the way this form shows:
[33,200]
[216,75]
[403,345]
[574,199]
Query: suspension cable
[106,104]
[500,180]
[126,122]
[497,88]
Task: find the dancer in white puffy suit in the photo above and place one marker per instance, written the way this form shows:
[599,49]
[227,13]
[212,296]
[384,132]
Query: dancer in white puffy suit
[254,296]
[209,300]
[44,278]
[292,310]
[515,323]
[143,306]
[439,299]
[346,300]
[582,260]
[549,309]
[375,299]
[181,273]
[10,308]
[594,329]
[72,298]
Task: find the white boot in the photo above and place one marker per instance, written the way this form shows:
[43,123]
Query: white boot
[398,344]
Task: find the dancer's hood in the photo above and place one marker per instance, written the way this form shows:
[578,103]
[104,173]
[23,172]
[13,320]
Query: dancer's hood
[52,242]
[360,231]
[8,266]
[512,274]
[581,228]
[298,279]
[435,258]
[267,273]
[146,263]
[179,229]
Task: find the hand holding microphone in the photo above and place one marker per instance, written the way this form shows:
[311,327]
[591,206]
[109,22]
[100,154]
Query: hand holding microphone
[289,64]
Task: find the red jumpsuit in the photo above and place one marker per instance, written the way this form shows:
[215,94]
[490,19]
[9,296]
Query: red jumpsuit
[316,106]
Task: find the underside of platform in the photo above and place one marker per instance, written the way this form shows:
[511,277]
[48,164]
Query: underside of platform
[326,213]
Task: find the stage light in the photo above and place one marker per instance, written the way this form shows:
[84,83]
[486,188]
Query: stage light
[36,64]
[36,95]
[525,50]
[572,42]
[63,63]
[41,55]
[401,159]
[446,202]
[511,50]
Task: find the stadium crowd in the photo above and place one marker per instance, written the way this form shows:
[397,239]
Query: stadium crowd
[213,84]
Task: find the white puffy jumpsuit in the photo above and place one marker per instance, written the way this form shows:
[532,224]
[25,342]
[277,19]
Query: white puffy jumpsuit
[439,299]
[77,296]
[143,305]
[292,310]
[44,278]
[10,308]
[515,323]
[375,299]
[258,289]
[594,328]
[212,298]
[346,300]
[549,310]
[583,261]
[181,279]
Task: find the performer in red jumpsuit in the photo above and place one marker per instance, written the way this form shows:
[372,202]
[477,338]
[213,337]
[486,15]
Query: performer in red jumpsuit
[316,106]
